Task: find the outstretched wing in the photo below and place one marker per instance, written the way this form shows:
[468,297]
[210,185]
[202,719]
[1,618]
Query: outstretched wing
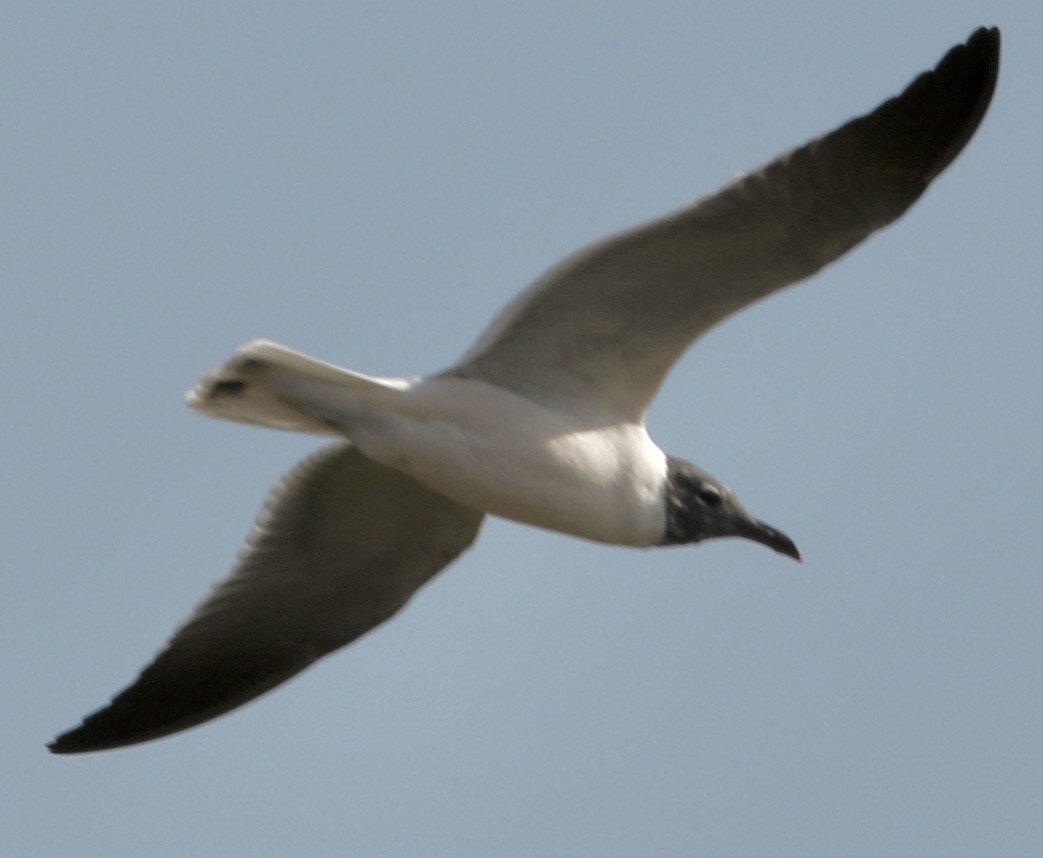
[340,545]
[601,330]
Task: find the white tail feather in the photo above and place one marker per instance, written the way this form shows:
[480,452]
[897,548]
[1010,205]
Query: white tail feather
[266,384]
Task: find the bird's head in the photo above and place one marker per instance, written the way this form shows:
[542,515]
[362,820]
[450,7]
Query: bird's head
[699,507]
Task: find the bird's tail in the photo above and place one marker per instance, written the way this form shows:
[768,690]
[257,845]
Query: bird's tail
[267,384]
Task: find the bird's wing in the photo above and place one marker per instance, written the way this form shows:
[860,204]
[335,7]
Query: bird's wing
[601,330]
[340,546]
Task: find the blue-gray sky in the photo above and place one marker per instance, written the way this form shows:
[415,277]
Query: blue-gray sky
[370,183]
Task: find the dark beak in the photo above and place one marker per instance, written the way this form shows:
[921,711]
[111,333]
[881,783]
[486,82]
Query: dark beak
[765,534]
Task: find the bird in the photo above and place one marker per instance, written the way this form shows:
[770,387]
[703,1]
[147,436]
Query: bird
[542,421]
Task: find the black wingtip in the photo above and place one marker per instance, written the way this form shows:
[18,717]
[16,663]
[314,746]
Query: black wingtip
[78,740]
[65,743]
[181,689]
[971,69]
[87,737]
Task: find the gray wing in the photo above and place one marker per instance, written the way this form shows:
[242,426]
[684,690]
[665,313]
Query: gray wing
[340,545]
[603,328]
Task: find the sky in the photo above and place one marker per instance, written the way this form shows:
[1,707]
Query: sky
[370,183]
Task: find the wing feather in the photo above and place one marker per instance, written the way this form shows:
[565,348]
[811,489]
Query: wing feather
[601,330]
[340,546]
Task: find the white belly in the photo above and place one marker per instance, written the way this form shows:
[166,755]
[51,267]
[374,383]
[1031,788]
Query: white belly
[494,450]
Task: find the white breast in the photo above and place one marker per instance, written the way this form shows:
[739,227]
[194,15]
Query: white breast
[497,451]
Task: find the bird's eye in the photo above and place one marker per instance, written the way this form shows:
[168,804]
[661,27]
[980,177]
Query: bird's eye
[709,495]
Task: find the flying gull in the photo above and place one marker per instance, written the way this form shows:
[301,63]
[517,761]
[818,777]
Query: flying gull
[541,421]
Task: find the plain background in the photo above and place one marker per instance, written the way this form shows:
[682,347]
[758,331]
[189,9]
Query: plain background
[370,182]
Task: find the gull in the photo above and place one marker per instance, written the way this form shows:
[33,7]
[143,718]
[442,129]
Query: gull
[540,422]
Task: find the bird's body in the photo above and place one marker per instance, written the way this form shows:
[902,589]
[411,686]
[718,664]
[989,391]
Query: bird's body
[497,451]
[541,421]
[584,472]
